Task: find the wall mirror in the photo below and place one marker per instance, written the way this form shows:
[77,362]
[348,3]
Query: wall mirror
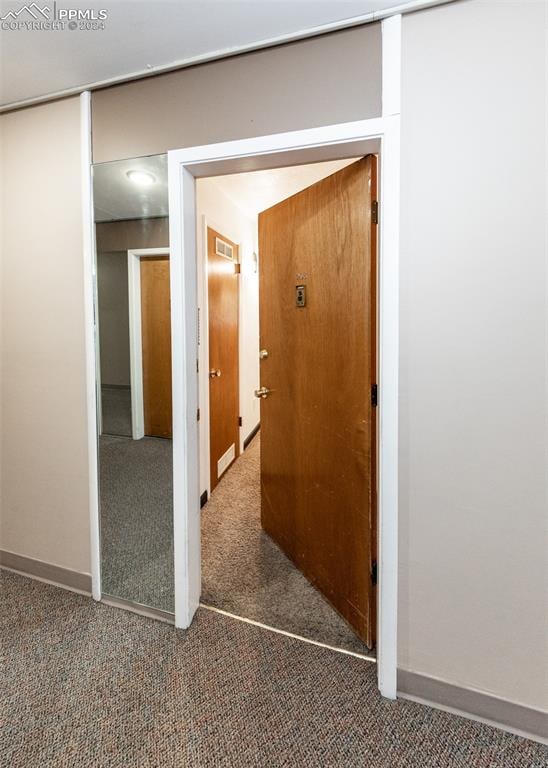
[133,347]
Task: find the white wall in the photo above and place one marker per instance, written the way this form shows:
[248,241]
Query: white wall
[44,495]
[223,215]
[473,483]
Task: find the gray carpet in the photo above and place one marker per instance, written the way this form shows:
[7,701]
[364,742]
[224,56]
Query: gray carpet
[136,493]
[246,573]
[116,411]
[89,686]
[243,570]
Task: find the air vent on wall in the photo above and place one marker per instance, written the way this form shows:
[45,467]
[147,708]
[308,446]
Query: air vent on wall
[224,249]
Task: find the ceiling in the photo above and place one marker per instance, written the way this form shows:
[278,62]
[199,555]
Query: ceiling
[116,196]
[142,36]
[255,192]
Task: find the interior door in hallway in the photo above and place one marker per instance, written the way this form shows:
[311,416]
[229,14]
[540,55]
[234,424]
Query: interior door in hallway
[318,328]
[224,401]
[156,346]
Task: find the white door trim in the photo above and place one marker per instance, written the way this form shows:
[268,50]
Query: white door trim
[289,149]
[184,166]
[134,257]
[93,408]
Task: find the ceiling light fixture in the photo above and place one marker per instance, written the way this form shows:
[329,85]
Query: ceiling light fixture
[142,178]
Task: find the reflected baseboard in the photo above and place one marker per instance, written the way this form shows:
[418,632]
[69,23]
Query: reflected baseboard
[143,610]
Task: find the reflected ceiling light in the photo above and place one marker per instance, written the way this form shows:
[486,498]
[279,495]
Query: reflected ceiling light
[142,178]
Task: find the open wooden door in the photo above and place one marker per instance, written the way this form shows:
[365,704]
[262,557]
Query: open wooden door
[156,346]
[224,378]
[318,327]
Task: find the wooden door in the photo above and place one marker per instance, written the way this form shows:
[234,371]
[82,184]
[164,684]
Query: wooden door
[318,499]
[224,401]
[156,345]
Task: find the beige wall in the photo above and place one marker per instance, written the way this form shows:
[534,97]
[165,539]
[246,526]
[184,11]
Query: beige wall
[44,494]
[473,456]
[330,79]
[132,233]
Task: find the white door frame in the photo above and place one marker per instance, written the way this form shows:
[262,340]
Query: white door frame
[348,139]
[184,166]
[134,257]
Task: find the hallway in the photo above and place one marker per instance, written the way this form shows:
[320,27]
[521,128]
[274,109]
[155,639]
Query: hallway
[245,573]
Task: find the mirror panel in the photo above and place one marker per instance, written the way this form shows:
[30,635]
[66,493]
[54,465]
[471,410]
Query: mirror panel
[133,338]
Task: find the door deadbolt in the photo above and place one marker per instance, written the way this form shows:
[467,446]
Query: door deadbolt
[214,373]
[262,392]
[263,354]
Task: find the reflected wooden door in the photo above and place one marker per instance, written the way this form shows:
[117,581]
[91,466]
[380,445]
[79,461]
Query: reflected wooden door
[317,323]
[224,401]
[156,345]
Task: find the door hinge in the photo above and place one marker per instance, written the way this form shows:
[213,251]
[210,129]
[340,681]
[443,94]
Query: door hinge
[374,573]
[374,395]
[240,421]
[374,211]
[198,415]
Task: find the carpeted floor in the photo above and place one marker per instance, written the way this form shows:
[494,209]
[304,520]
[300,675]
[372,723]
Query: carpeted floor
[85,685]
[136,492]
[116,411]
[244,572]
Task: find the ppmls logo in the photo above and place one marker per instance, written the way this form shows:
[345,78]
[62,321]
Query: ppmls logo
[35,16]
[33,10]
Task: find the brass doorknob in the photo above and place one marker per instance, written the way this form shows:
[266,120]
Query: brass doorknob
[214,372]
[262,392]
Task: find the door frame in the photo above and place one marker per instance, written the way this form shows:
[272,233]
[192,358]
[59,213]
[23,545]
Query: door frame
[292,148]
[183,166]
[134,257]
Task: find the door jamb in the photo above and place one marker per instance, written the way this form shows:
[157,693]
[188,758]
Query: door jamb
[93,407]
[207,160]
[183,276]
[134,257]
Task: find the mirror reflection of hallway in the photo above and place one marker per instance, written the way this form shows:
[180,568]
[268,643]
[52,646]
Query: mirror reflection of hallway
[288,533]
[134,382]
